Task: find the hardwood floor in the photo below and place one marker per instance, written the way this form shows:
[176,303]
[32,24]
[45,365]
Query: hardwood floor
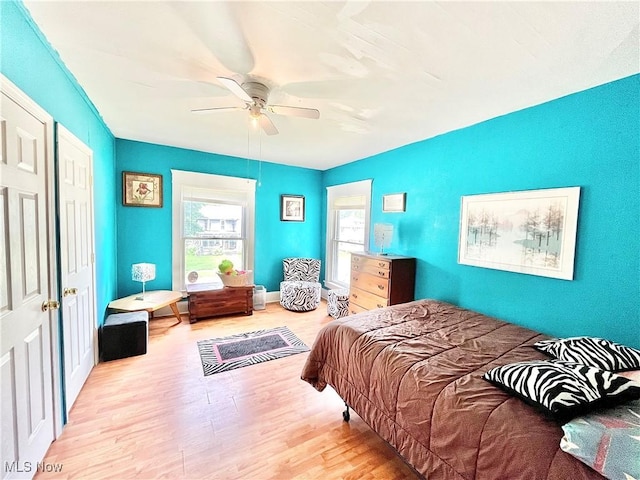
[157,416]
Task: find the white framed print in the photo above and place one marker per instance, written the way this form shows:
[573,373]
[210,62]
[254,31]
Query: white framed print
[531,231]
[394,202]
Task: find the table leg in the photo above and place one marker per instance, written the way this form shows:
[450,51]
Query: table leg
[176,312]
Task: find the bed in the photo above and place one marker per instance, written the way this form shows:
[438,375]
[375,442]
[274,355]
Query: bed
[413,373]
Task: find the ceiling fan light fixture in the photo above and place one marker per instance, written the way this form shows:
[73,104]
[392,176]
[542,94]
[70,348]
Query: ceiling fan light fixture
[254,112]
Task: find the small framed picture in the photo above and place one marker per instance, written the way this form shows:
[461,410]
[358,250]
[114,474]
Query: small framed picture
[141,189]
[395,202]
[292,208]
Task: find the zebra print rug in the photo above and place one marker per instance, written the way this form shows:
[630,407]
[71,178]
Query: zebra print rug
[236,351]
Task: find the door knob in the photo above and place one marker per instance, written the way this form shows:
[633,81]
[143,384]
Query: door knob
[69,291]
[50,305]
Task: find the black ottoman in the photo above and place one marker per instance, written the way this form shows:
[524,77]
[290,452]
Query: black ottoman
[124,335]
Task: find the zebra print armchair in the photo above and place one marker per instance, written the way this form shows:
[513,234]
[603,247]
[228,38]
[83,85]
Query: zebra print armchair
[300,290]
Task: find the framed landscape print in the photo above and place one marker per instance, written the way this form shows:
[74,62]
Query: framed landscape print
[530,231]
[141,189]
[292,208]
[394,202]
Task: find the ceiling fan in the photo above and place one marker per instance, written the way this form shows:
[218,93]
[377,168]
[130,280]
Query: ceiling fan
[256,96]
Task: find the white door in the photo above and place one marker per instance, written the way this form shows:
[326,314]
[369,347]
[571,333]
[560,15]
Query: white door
[75,193]
[26,241]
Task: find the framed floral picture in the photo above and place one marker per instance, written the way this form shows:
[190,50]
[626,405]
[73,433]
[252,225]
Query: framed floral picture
[141,189]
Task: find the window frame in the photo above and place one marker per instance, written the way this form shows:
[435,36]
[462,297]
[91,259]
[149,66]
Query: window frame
[215,188]
[334,193]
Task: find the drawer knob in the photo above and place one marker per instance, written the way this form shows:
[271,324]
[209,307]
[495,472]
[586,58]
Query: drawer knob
[380,264]
[380,306]
[381,274]
[356,267]
[354,295]
[381,287]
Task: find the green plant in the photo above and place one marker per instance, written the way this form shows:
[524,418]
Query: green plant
[226,266]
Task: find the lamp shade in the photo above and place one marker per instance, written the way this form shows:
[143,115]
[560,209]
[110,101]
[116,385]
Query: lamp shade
[143,272]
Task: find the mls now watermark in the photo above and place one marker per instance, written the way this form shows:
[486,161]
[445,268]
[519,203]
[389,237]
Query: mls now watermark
[26,467]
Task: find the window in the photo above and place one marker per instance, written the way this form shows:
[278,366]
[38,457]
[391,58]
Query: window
[348,212]
[213,220]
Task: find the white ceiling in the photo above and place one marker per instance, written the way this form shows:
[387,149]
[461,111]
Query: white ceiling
[382,73]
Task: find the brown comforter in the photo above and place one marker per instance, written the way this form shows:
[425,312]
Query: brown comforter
[413,372]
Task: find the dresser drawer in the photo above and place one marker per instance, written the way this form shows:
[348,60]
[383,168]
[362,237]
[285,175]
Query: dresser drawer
[366,300]
[371,283]
[353,308]
[373,266]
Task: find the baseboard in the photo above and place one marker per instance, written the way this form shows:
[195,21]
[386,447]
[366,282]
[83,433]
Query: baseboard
[273,297]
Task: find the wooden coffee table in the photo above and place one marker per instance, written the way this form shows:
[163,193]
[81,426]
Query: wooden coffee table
[153,300]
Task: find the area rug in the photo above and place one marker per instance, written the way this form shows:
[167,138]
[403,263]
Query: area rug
[236,351]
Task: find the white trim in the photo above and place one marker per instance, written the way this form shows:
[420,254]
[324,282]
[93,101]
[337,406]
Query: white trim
[334,193]
[235,186]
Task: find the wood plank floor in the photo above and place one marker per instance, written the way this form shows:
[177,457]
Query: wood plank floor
[157,416]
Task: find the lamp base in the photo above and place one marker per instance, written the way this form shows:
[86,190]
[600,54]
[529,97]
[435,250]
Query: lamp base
[141,296]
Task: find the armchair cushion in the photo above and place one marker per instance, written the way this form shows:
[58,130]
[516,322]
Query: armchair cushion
[304,269]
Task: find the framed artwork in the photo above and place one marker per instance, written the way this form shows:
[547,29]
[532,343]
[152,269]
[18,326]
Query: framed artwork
[141,189]
[395,202]
[531,232]
[292,208]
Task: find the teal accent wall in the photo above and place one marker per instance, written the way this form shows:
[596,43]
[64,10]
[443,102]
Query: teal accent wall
[144,234]
[29,61]
[590,139]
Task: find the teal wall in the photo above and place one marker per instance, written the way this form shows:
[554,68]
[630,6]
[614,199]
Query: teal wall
[590,139]
[144,234]
[27,59]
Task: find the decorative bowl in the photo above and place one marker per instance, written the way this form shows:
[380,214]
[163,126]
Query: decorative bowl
[239,280]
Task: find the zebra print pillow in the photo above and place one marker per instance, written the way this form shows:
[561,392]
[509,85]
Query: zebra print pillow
[563,389]
[595,352]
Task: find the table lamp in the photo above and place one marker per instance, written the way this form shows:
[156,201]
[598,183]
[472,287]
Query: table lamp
[382,235]
[143,272]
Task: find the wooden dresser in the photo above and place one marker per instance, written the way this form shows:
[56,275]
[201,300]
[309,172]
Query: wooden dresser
[208,300]
[380,280]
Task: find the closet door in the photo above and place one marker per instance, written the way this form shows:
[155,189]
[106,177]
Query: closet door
[77,277]
[27,307]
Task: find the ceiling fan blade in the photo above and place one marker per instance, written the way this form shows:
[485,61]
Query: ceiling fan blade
[235,88]
[295,111]
[214,110]
[218,26]
[267,125]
